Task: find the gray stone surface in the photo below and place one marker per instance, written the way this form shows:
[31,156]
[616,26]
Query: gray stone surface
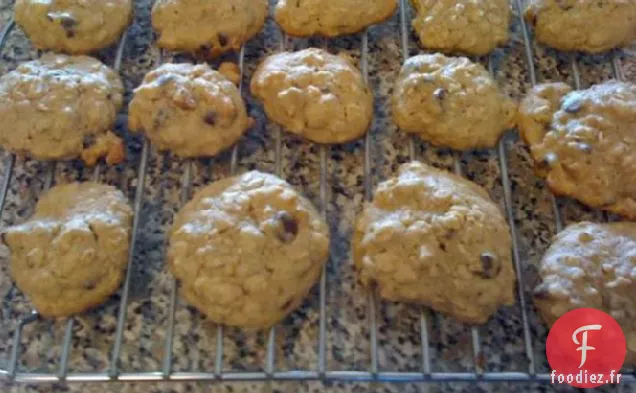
[348,346]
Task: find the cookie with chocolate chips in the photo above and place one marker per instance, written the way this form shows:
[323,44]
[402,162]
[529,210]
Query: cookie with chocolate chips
[207,28]
[73,26]
[304,18]
[247,250]
[474,27]
[591,265]
[71,255]
[583,25]
[188,109]
[315,94]
[437,239]
[451,102]
[58,106]
[584,142]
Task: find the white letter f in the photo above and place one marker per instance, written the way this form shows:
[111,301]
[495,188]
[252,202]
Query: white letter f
[584,348]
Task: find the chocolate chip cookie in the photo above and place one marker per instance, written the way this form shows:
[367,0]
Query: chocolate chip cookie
[188,109]
[583,142]
[303,18]
[247,250]
[434,238]
[315,94]
[451,102]
[58,105]
[71,255]
[474,27]
[591,265]
[207,28]
[585,25]
[73,26]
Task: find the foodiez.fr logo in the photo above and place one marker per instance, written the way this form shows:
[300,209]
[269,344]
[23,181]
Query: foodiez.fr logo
[586,348]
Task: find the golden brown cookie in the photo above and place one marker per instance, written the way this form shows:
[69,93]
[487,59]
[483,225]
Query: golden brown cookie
[73,26]
[247,250]
[188,109]
[451,102]
[58,105]
[474,27]
[585,25]
[583,142]
[315,94]
[331,18]
[591,265]
[71,255]
[434,238]
[209,28]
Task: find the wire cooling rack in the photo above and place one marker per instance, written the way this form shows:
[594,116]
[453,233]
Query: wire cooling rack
[321,370]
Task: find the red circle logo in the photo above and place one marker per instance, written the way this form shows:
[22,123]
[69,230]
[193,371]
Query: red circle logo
[586,348]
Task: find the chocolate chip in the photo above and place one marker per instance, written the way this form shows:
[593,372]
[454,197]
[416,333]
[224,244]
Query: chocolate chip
[67,21]
[210,118]
[223,39]
[288,226]
[440,94]
[490,265]
[550,159]
[573,104]
[541,292]
[89,140]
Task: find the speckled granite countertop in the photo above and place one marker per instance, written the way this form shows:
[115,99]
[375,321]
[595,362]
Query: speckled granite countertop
[348,345]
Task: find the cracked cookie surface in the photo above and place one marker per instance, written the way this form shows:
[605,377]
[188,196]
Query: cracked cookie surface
[71,255]
[474,27]
[434,238]
[188,109]
[73,26]
[586,25]
[57,104]
[591,265]
[583,142]
[450,102]
[331,18]
[209,28]
[315,94]
[247,250]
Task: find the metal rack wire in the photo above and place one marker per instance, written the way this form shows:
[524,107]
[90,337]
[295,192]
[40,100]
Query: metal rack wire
[321,371]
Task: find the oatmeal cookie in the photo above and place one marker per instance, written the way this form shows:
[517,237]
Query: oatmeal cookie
[434,238]
[315,94]
[304,18]
[73,26]
[585,25]
[208,28]
[71,255]
[57,105]
[591,265]
[475,27]
[584,142]
[451,102]
[247,250]
[188,109]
